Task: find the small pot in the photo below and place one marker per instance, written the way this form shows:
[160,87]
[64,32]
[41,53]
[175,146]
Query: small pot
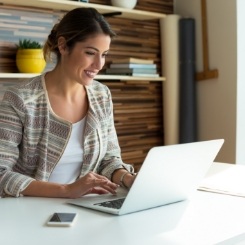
[30,60]
[128,4]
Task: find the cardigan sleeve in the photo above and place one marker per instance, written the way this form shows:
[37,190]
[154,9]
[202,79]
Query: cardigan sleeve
[11,118]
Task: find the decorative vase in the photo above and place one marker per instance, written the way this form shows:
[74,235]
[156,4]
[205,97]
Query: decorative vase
[128,4]
[30,60]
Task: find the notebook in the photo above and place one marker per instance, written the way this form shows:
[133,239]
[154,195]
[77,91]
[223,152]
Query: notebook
[168,174]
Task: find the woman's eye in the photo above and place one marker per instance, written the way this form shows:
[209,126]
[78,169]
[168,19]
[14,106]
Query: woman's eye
[89,53]
[104,55]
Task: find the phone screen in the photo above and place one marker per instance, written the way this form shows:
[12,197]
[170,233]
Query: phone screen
[62,219]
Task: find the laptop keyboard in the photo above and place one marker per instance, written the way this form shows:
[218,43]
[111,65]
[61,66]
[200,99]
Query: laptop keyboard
[116,204]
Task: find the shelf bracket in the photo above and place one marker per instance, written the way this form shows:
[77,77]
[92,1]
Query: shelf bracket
[207,73]
[112,14]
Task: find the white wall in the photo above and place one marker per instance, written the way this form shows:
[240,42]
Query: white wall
[216,101]
[240,151]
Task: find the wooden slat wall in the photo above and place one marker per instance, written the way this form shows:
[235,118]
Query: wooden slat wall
[138,117]
[135,39]
[7,57]
[137,104]
[19,23]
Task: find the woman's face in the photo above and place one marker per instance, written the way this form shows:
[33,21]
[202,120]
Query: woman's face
[86,59]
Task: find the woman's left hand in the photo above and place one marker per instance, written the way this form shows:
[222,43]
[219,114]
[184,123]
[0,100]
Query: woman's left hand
[128,179]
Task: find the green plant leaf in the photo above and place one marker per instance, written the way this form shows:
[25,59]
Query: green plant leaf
[28,44]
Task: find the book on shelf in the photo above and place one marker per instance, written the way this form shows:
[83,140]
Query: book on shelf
[132,60]
[131,65]
[130,71]
[144,75]
[132,74]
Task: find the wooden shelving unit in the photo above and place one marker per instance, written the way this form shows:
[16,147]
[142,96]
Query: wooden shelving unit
[98,77]
[67,5]
[103,9]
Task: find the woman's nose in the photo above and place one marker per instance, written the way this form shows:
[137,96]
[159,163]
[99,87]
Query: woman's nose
[99,63]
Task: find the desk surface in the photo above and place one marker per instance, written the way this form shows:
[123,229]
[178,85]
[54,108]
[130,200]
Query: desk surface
[206,218]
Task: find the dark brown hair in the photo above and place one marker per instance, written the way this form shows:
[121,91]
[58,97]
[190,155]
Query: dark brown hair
[76,26]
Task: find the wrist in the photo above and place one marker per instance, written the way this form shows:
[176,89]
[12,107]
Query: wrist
[126,179]
[64,191]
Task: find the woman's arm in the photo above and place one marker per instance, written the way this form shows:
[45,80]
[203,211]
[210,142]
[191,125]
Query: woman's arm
[123,178]
[90,183]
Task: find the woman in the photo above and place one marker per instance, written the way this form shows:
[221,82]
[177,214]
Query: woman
[57,135]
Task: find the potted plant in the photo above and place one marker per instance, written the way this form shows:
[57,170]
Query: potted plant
[29,57]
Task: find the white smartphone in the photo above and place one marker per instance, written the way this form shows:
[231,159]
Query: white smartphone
[62,219]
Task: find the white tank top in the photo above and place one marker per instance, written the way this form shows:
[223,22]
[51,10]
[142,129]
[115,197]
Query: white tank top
[68,168]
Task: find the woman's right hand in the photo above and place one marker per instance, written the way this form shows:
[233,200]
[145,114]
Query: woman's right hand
[90,183]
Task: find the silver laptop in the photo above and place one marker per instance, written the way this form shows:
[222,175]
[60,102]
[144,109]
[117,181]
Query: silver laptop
[169,174]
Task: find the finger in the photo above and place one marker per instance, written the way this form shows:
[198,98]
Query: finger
[106,184]
[98,190]
[98,176]
[98,180]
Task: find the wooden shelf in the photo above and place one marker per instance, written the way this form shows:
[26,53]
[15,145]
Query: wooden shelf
[68,5]
[118,77]
[104,9]
[18,75]
[99,77]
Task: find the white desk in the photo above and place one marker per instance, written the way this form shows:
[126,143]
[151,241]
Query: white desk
[207,218]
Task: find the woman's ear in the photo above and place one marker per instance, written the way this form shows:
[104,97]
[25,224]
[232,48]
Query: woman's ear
[61,44]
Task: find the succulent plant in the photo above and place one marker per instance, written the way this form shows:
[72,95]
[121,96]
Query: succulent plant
[28,44]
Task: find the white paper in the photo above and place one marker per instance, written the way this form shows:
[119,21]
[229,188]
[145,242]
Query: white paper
[230,182]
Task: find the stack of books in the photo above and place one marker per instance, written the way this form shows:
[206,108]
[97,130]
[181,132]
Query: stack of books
[133,67]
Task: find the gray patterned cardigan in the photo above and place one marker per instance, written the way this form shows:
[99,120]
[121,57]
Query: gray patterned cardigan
[33,138]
